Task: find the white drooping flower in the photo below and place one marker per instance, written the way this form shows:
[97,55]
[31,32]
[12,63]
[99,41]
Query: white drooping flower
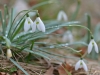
[68,36]
[39,24]
[81,64]
[91,45]
[9,53]
[28,23]
[62,16]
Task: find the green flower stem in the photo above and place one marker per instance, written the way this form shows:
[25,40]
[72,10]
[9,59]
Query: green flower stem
[90,33]
[30,55]
[32,45]
[86,29]
[84,54]
[83,27]
[78,52]
[76,11]
[89,26]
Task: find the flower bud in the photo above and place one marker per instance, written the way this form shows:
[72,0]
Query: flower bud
[9,53]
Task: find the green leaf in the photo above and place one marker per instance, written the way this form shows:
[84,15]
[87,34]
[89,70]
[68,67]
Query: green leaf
[41,4]
[8,43]
[37,53]
[15,63]
[1,19]
[89,26]
[13,69]
[96,32]
[74,15]
[18,29]
[6,15]
[38,34]
[10,24]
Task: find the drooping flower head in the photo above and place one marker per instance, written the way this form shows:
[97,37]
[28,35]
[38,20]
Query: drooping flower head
[81,64]
[62,16]
[91,45]
[9,53]
[39,24]
[68,36]
[27,24]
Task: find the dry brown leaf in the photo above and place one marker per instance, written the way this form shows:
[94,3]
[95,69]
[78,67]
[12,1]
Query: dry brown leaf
[3,73]
[50,71]
[63,67]
[83,51]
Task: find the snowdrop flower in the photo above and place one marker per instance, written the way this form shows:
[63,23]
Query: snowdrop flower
[28,23]
[68,36]
[91,45]
[81,64]
[39,24]
[9,53]
[62,16]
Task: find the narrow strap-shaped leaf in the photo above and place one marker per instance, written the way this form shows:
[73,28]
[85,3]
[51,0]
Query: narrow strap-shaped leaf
[89,26]
[18,29]
[41,4]
[10,24]
[15,63]
[37,53]
[8,43]
[1,19]
[74,15]
[49,29]
[96,32]
[6,13]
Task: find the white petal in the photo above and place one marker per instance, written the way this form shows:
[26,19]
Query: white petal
[71,39]
[90,46]
[77,66]
[40,25]
[9,53]
[70,36]
[26,26]
[29,19]
[96,47]
[39,28]
[33,26]
[62,15]
[84,65]
[65,38]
